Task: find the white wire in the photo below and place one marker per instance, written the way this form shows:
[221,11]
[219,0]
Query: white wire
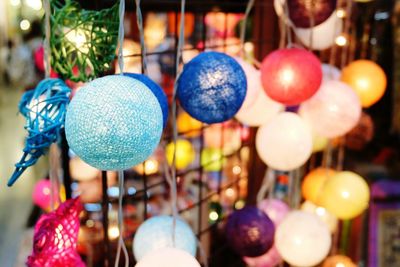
[143,49]
[121,36]
[46,43]
[121,243]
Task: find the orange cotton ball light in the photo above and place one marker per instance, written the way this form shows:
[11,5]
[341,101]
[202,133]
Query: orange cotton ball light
[291,76]
[314,181]
[338,261]
[368,80]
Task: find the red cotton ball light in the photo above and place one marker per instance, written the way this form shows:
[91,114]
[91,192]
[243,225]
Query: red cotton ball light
[291,75]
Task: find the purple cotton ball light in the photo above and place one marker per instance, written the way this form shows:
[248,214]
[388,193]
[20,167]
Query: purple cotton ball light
[250,232]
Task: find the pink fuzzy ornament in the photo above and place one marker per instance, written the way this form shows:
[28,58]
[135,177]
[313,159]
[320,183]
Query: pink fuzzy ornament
[55,237]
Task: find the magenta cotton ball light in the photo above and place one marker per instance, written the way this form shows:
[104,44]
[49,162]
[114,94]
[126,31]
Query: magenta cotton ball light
[333,111]
[291,75]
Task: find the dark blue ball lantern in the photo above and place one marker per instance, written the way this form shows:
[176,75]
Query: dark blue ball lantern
[157,91]
[212,87]
[250,232]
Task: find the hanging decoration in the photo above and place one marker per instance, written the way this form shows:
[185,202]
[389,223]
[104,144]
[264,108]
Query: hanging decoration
[114,123]
[212,159]
[367,79]
[157,91]
[156,233]
[285,143]
[345,195]
[83,42]
[168,257]
[302,239]
[330,72]
[184,153]
[188,126]
[56,236]
[314,181]
[250,232]
[300,12]
[254,86]
[291,75]
[212,87]
[333,111]
[44,109]
[338,260]
[42,196]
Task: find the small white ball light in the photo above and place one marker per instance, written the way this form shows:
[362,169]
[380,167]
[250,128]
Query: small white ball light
[168,257]
[25,25]
[302,239]
[34,4]
[285,143]
[156,233]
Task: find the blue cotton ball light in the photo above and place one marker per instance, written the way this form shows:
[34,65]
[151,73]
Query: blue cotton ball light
[156,233]
[114,123]
[212,87]
[157,91]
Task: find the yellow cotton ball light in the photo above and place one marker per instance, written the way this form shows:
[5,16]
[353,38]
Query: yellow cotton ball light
[345,195]
[184,155]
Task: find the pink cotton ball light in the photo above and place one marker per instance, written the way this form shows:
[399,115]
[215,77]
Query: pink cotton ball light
[41,194]
[333,111]
[291,75]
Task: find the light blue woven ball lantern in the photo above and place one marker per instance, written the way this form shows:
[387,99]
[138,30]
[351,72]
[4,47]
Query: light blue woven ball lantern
[156,233]
[212,87]
[114,123]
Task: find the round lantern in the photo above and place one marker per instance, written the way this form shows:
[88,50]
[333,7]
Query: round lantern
[82,171]
[300,12]
[325,216]
[250,232]
[302,239]
[323,35]
[314,181]
[212,159]
[345,195]
[41,194]
[333,111]
[368,80]
[157,91]
[184,154]
[291,75]
[275,209]
[187,125]
[156,233]
[225,136]
[212,87]
[338,261]
[168,257]
[285,143]
[114,123]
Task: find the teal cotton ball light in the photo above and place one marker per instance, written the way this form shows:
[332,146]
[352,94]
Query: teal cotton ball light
[156,233]
[212,87]
[114,123]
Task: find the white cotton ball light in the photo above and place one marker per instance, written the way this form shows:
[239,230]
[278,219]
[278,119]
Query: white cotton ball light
[285,143]
[168,257]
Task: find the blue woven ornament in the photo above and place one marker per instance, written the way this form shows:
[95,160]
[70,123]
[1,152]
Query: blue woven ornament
[44,110]
[114,123]
[212,87]
[156,233]
[157,91]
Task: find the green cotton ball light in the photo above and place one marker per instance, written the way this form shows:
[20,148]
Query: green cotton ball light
[114,123]
[212,159]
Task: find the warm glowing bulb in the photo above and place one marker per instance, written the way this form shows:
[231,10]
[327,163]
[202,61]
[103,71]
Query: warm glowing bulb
[320,211]
[287,76]
[229,192]
[341,40]
[15,3]
[239,204]
[213,216]
[79,39]
[340,265]
[34,4]
[25,25]
[341,13]
[345,194]
[113,232]
[236,170]
[248,47]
